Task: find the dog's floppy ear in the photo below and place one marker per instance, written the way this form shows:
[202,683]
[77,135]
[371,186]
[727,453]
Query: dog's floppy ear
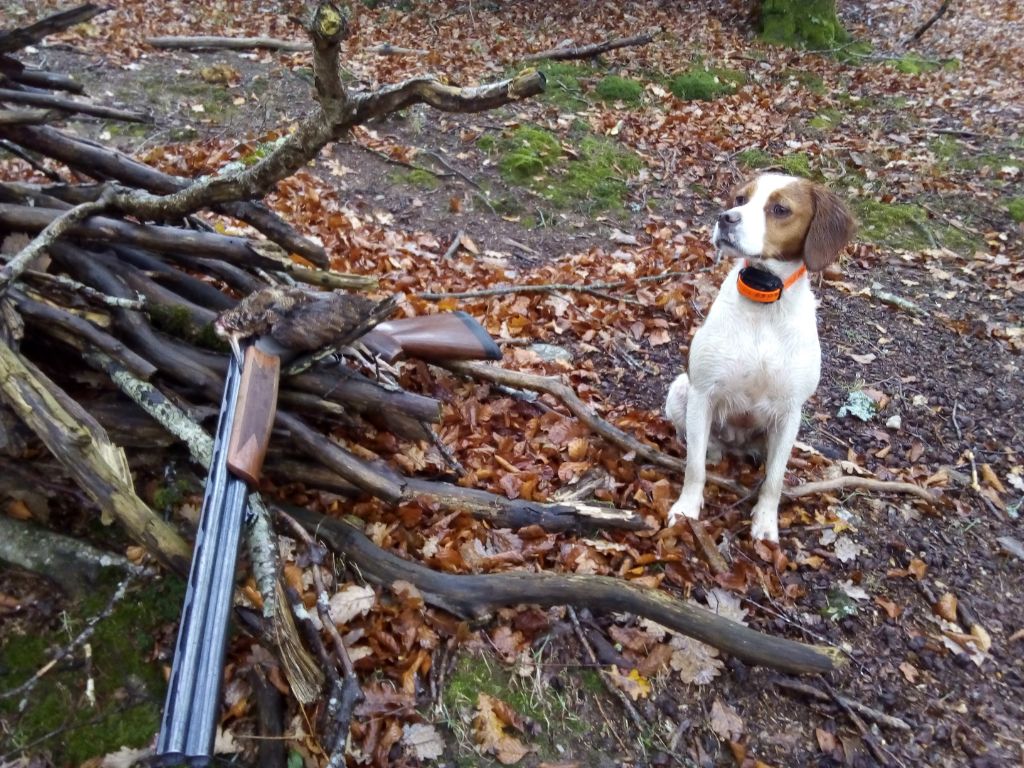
[829,232]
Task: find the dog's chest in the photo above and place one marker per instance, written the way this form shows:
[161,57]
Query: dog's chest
[751,354]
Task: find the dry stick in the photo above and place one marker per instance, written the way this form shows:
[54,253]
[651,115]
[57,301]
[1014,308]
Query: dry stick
[387,49]
[593,288]
[455,245]
[25,116]
[82,446]
[613,434]
[797,686]
[84,635]
[613,689]
[594,49]
[40,78]
[206,43]
[477,596]
[338,112]
[919,32]
[15,39]
[716,562]
[70,105]
[58,224]
[73,286]
[14,149]
[351,694]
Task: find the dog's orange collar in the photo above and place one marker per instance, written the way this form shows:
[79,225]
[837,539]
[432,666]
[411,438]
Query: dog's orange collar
[762,296]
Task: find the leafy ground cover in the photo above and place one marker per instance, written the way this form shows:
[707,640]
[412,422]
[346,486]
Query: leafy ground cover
[615,174]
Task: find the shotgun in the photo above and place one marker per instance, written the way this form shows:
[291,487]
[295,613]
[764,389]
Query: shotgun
[248,406]
[190,716]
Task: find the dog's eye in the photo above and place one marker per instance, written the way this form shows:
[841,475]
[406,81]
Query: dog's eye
[780,210]
[741,200]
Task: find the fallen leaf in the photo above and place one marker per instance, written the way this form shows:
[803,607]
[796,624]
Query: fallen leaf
[351,602]
[422,741]
[726,604]
[633,685]
[826,741]
[910,672]
[726,721]
[981,638]
[489,732]
[695,661]
[847,549]
[892,610]
[863,359]
[946,606]
[852,590]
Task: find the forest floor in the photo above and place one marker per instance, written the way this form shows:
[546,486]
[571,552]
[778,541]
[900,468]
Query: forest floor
[616,173]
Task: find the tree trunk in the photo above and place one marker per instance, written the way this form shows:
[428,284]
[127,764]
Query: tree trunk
[806,23]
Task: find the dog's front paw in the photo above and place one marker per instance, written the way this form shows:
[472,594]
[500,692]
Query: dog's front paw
[688,505]
[764,524]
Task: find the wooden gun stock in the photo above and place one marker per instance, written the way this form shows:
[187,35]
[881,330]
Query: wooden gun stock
[254,417]
[447,336]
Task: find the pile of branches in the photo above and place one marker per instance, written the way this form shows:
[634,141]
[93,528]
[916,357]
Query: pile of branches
[109,267]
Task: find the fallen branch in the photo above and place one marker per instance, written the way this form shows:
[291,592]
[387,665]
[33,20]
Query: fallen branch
[573,51]
[69,105]
[213,43]
[478,596]
[16,39]
[593,288]
[81,445]
[919,32]
[806,689]
[25,116]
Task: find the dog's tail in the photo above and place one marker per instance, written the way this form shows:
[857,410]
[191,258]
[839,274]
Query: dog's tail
[675,404]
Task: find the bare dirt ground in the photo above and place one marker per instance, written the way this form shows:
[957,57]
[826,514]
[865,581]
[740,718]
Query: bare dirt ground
[943,374]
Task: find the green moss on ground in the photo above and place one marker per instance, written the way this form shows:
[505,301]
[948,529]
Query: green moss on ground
[1016,208]
[624,89]
[593,178]
[812,81]
[826,120]
[802,23]
[796,164]
[912,64]
[703,84]
[560,712]
[908,226]
[954,155]
[564,83]
[129,685]
[417,177]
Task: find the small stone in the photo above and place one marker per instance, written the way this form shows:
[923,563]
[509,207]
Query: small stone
[894,422]
[552,353]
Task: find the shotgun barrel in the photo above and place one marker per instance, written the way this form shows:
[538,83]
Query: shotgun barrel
[189,722]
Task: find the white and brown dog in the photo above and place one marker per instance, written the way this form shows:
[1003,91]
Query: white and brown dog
[756,359]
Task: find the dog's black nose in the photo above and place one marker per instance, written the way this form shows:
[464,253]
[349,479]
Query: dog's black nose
[728,217]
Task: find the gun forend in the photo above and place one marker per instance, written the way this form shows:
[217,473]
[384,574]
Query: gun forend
[445,336]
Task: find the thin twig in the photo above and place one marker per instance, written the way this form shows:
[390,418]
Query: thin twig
[798,686]
[82,636]
[592,288]
[85,290]
[455,245]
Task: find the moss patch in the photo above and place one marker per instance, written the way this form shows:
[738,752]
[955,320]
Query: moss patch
[702,84]
[912,64]
[796,164]
[416,178]
[624,89]
[565,83]
[826,120]
[810,80]
[129,685]
[1016,208]
[802,23]
[558,710]
[592,178]
[907,226]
